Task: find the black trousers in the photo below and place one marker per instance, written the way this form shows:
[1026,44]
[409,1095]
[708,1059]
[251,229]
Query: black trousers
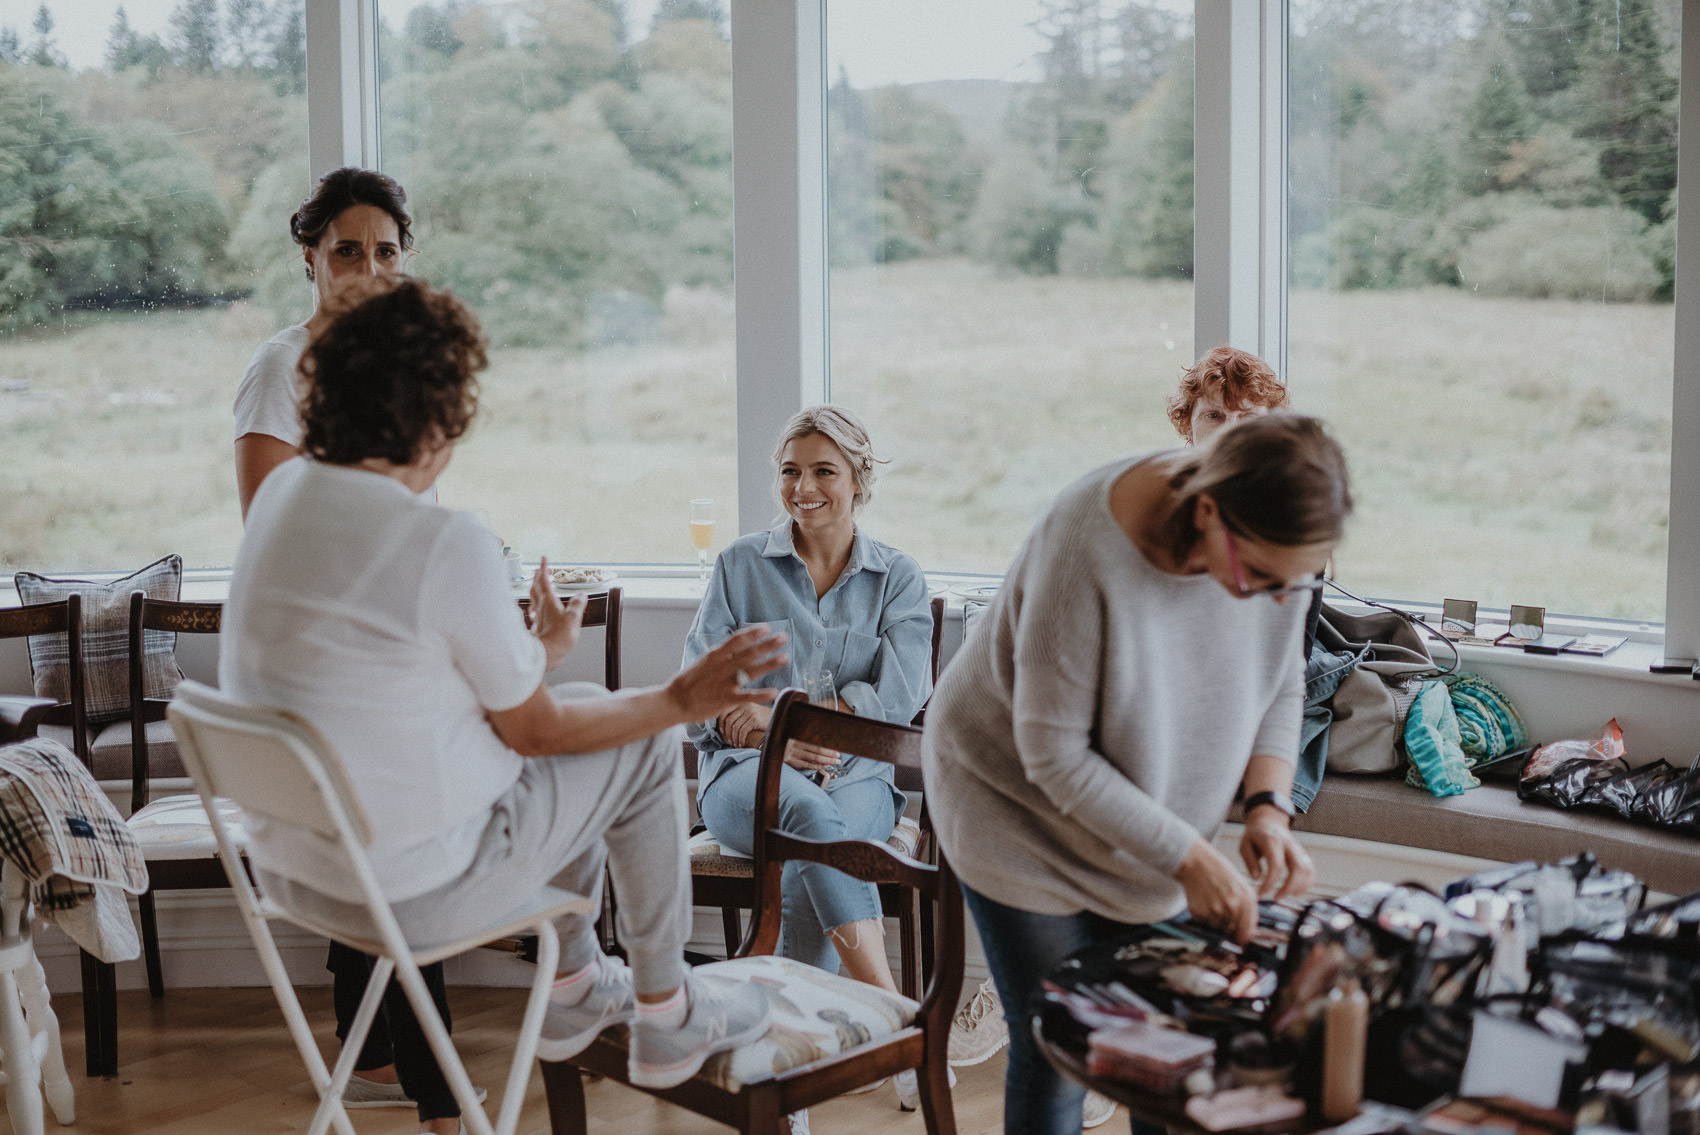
[395,1036]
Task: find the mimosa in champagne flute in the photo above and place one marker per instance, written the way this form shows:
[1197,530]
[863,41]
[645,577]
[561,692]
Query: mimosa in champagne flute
[702,533]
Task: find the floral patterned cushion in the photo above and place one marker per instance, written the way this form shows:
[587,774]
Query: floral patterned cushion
[815,1014]
[705,850]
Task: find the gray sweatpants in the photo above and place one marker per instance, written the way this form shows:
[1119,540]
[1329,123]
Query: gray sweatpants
[563,820]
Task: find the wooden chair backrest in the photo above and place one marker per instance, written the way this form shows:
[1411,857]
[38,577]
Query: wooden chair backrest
[65,617]
[794,719]
[172,616]
[602,609]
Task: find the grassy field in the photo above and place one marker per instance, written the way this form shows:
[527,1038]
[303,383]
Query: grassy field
[1503,450]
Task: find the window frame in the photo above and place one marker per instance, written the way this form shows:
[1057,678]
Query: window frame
[780,264]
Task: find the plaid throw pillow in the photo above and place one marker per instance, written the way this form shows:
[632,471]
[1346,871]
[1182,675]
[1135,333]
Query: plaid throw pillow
[106,639]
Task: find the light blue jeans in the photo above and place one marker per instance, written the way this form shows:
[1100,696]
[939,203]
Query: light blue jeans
[816,898]
[1021,948]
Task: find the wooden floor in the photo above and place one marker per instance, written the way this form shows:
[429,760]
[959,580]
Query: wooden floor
[219,1062]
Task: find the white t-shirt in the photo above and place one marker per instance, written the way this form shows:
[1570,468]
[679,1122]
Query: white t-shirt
[388,622]
[269,399]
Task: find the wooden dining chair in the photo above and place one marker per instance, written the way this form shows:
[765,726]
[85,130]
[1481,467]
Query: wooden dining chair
[65,617]
[172,832]
[725,880]
[830,1034]
[601,609]
[178,860]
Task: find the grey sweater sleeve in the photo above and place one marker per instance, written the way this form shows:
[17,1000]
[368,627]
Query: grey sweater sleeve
[1059,648]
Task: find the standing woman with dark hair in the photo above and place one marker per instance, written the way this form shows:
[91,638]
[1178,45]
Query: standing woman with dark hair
[1141,661]
[355,223]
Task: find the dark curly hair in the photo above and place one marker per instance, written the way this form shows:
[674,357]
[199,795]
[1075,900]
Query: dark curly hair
[393,370]
[1235,378]
[342,189]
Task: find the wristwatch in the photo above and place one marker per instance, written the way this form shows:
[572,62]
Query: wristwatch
[1280,801]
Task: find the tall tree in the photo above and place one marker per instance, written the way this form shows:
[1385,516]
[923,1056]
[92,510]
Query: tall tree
[195,37]
[120,41]
[245,32]
[42,51]
[1497,120]
[11,47]
[1630,106]
[1548,38]
[289,54]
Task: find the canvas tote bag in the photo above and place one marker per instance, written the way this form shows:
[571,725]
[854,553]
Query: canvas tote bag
[1372,702]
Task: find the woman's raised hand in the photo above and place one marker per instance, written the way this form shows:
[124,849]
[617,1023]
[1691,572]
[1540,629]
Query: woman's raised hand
[719,679]
[1218,894]
[555,624]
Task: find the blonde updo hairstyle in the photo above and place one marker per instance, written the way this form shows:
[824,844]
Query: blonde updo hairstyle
[844,430]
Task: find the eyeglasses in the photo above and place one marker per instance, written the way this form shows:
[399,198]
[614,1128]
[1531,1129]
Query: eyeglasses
[1274,590]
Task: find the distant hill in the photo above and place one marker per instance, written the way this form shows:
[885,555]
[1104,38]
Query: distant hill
[978,105]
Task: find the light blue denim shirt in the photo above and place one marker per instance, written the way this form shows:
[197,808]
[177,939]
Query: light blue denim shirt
[872,629]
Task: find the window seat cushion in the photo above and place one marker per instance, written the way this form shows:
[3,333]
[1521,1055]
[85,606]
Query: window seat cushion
[1490,822]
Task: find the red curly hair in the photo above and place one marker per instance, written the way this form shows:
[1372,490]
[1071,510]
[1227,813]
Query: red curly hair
[1235,378]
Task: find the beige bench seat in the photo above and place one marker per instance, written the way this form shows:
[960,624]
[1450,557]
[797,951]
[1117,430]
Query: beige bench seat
[1490,822]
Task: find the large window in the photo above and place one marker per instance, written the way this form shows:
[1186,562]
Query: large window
[1482,258]
[150,154]
[570,167]
[1450,222]
[1011,240]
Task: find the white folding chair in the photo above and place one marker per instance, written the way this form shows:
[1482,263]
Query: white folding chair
[276,765]
[29,1031]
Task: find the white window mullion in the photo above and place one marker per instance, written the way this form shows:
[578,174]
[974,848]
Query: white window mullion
[1272,188]
[1228,182]
[1682,579]
[779,268]
[342,120]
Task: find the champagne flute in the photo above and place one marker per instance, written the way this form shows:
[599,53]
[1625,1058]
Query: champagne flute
[702,533]
[821,690]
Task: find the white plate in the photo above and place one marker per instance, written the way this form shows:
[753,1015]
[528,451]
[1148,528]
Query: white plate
[982,593]
[608,577]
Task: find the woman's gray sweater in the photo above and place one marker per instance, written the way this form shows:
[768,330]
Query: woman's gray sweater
[1101,716]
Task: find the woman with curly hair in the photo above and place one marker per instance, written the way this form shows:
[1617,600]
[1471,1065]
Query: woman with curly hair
[354,225]
[1225,386]
[387,620]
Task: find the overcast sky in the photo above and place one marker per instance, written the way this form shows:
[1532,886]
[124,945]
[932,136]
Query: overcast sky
[878,41]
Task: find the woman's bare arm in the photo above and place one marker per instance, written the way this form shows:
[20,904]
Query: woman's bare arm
[256,456]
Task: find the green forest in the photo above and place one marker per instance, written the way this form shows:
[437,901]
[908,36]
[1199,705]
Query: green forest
[554,154]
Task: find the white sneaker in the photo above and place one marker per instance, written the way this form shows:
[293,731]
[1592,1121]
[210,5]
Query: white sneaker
[799,1122]
[721,1014]
[569,1029]
[908,1084]
[978,1030]
[1098,1110]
